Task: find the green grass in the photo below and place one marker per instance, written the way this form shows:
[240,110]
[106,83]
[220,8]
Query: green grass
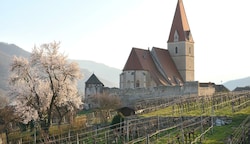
[169,112]
[161,112]
[220,133]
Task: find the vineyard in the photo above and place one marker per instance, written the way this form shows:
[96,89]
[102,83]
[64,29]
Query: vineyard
[178,120]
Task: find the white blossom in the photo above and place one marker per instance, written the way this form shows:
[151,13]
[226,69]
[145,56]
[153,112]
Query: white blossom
[43,82]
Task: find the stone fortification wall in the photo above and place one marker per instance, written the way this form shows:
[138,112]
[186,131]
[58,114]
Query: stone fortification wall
[130,96]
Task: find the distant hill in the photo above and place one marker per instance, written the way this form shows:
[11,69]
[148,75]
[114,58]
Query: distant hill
[108,75]
[237,83]
[7,51]
[4,66]
[11,50]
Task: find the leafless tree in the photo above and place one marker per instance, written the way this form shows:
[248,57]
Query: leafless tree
[105,103]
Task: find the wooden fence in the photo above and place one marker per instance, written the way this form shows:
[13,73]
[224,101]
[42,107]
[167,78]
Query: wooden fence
[171,128]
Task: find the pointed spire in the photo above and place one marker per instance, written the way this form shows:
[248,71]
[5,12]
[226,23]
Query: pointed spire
[180,30]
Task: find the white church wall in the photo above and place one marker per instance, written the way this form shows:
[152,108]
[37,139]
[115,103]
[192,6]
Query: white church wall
[135,79]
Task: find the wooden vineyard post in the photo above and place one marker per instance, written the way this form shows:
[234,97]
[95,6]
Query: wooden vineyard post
[202,105]
[127,122]
[147,141]
[35,137]
[158,122]
[232,106]
[69,136]
[173,110]
[201,127]
[182,130]
[212,119]
[106,137]
[77,138]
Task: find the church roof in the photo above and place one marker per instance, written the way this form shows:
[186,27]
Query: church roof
[167,65]
[93,80]
[140,59]
[136,59]
[158,62]
[180,25]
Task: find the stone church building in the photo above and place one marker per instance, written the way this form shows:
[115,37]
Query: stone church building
[158,73]
[163,67]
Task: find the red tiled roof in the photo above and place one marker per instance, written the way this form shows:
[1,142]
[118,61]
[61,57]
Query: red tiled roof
[180,24]
[134,60]
[167,65]
[140,59]
[161,66]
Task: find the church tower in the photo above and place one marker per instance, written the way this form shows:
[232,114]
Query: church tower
[181,44]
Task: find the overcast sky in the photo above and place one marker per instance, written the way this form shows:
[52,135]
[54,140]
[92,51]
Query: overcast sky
[105,31]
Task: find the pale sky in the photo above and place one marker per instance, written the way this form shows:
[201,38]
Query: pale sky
[105,31]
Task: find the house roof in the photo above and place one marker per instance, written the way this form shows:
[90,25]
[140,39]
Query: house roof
[221,88]
[140,59]
[246,88]
[167,65]
[206,84]
[126,111]
[93,80]
[180,25]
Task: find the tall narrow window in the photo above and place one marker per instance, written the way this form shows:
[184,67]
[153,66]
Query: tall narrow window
[137,83]
[189,50]
[128,82]
[176,49]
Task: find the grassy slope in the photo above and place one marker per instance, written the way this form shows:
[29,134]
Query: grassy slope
[220,133]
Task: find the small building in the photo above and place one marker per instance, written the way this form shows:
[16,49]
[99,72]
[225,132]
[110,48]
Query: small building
[221,88]
[211,88]
[93,86]
[206,89]
[126,111]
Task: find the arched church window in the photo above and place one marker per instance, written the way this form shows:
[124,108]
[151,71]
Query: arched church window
[176,49]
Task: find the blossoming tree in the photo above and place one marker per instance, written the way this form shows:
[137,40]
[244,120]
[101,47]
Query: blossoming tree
[44,85]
